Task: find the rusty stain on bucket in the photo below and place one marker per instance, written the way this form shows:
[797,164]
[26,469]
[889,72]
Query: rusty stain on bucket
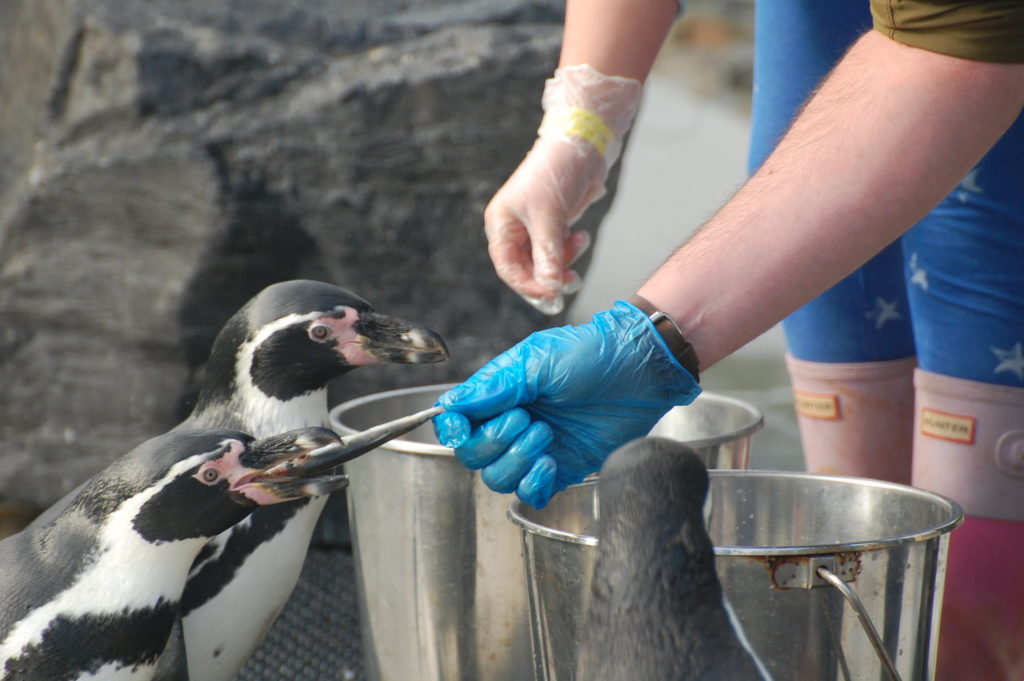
[801,572]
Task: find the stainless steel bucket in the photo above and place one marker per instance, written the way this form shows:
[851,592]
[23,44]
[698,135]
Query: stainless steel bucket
[442,588]
[811,564]
[717,427]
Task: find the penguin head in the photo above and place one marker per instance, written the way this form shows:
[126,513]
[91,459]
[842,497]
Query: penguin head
[653,495]
[663,481]
[298,463]
[295,336]
[196,484]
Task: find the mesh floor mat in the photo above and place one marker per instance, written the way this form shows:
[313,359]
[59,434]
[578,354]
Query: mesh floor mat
[316,638]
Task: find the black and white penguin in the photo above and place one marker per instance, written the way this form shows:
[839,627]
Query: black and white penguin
[267,373]
[657,611]
[93,593]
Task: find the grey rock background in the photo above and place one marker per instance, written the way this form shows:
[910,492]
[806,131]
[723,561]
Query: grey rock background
[162,161]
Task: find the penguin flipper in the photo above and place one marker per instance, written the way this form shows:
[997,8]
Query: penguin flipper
[58,507]
[173,662]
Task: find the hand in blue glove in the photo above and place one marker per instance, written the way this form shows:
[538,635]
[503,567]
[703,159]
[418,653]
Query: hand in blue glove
[548,411]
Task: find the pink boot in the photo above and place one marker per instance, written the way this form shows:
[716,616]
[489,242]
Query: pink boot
[969,446]
[982,631]
[855,418]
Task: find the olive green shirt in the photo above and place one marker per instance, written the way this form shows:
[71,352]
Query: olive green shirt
[982,30]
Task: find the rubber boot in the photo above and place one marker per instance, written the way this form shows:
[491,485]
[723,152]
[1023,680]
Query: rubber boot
[855,418]
[969,446]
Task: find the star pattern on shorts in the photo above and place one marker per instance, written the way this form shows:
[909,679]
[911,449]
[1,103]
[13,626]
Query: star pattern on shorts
[1010,360]
[884,311]
[969,185]
[918,275]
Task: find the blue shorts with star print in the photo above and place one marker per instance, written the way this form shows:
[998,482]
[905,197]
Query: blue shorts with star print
[951,290]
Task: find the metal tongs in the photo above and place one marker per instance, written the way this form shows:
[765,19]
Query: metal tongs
[356,444]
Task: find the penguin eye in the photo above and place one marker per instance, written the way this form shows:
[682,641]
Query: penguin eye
[319,332]
[210,475]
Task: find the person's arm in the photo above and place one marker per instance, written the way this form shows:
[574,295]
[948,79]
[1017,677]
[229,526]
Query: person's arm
[616,37]
[890,133]
[607,52]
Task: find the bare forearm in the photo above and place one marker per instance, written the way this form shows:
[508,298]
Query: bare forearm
[889,134]
[616,37]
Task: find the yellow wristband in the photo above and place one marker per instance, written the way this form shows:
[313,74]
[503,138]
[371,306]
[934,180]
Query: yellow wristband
[567,120]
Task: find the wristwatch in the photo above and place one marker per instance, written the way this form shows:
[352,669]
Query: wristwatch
[673,337]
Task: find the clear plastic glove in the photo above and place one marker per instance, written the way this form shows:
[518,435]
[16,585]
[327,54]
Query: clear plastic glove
[548,411]
[527,222]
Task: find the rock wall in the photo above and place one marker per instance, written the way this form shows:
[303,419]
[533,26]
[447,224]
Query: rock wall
[162,161]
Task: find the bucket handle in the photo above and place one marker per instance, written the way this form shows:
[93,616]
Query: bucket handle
[865,620]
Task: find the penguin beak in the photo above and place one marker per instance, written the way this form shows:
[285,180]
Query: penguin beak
[351,446]
[277,469]
[396,341]
[304,463]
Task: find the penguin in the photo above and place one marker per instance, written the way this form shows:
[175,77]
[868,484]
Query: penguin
[268,371]
[93,593]
[657,610]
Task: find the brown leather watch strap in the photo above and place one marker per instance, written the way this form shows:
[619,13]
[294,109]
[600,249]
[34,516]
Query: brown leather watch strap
[666,326]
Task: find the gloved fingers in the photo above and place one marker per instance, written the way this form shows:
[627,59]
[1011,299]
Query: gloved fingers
[548,306]
[571,283]
[527,221]
[549,248]
[451,429]
[509,237]
[504,473]
[490,440]
[538,485]
[487,393]
[533,267]
[575,246]
[572,280]
[508,244]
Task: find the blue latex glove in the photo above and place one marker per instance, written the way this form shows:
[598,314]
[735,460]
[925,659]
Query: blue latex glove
[548,411]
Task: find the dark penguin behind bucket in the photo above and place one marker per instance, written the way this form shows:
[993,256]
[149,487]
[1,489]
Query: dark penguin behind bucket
[657,610]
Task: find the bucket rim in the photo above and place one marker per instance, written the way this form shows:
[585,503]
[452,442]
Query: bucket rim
[955,517]
[754,424]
